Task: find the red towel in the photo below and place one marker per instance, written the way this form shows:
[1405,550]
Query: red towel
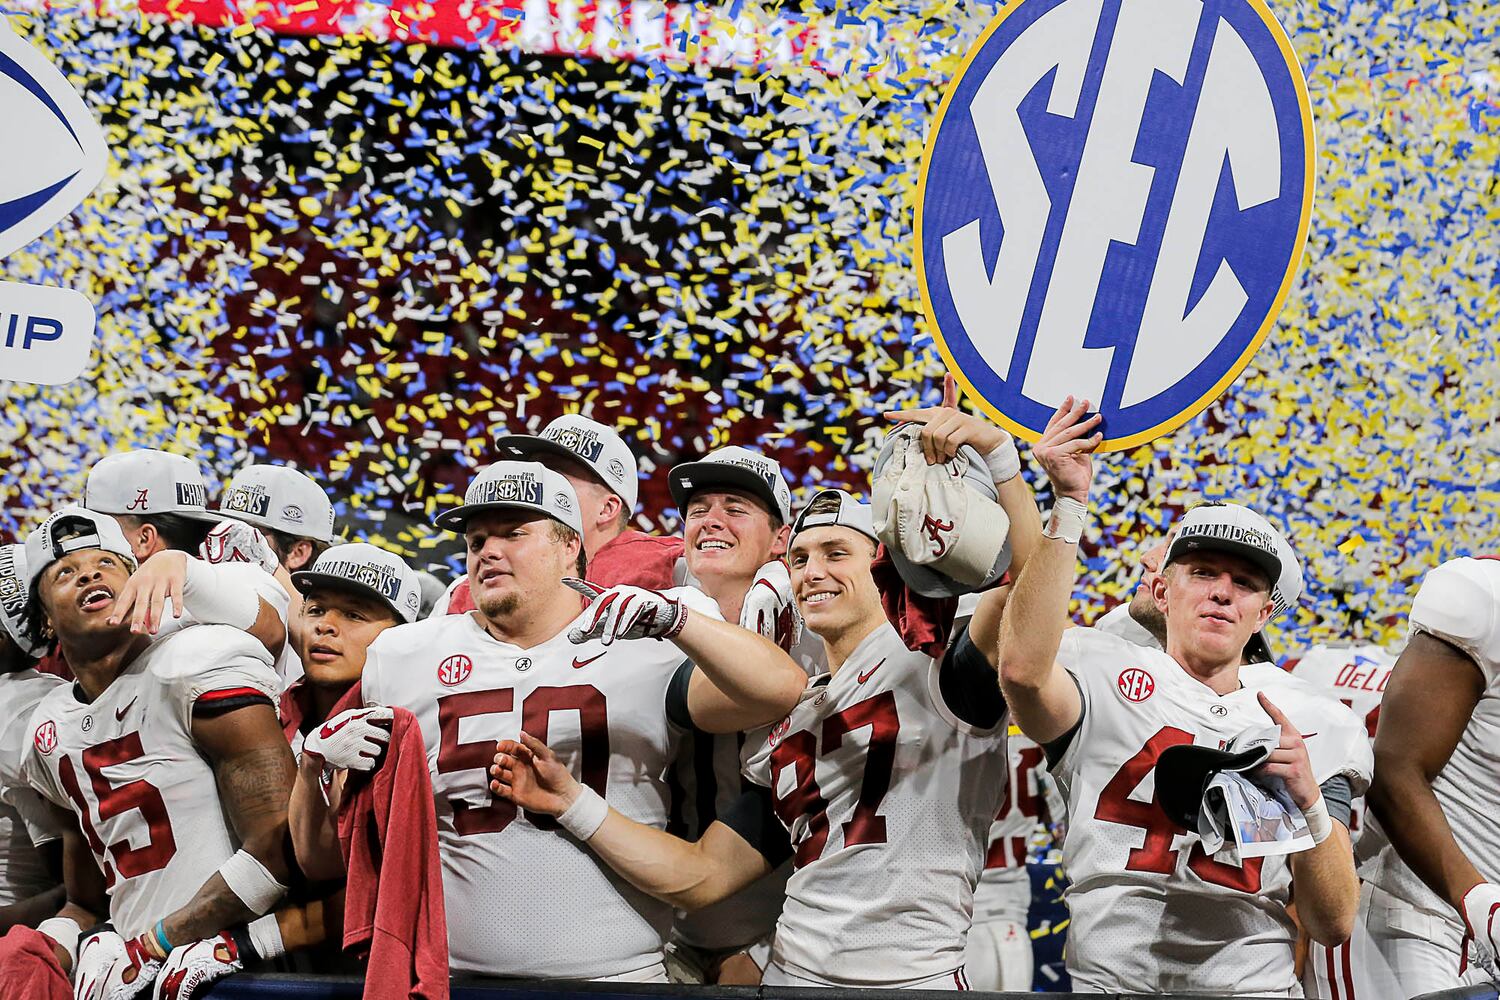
[631,557]
[925,623]
[393,906]
[29,969]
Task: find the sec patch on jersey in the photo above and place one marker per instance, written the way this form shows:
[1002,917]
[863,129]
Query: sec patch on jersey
[1113,204]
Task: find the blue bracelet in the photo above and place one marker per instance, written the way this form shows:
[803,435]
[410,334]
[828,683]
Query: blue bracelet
[161,938]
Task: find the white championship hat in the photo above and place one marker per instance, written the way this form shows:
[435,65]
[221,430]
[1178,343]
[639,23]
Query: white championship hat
[69,530]
[14,591]
[145,482]
[737,468]
[942,524]
[281,499]
[584,440]
[368,570]
[513,486]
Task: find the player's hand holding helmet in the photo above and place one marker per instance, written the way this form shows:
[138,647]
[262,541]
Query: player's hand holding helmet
[353,739]
[195,965]
[770,609]
[529,774]
[111,968]
[625,612]
[1482,916]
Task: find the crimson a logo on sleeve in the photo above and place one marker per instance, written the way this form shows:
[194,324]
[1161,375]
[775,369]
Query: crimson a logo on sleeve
[46,737]
[455,669]
[1135,684]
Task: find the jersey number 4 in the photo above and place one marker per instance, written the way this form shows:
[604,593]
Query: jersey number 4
[116,800]
[536,713]
[799,751]
[1156,853]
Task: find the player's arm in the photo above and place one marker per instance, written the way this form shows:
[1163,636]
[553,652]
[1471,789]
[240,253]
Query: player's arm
[212,594]
[254,772]
[35,908]
[686,875]
[743,680]
[1043,699]
[1324,881]
[86,900]
[312,819]
[1427,704]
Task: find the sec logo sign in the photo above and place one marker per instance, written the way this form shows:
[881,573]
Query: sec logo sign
[454,669]
[1113,204]
[1135,684]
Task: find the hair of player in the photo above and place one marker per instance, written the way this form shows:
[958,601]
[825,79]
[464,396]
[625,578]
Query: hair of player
[185,534]
[622,519]
[562,533]
[283,542]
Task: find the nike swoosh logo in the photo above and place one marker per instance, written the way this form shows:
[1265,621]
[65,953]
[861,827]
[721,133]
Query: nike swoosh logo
[120,712]
[870,673]
[580,664]
[328,730]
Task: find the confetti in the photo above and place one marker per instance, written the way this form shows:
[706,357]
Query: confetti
[368,256]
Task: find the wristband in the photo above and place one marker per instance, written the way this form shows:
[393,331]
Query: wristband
[1319,823]
[64,933]
[248,879]
[259,940]
[1004,461]
[159,932]
[587,813]
[212,600]
[1066,521]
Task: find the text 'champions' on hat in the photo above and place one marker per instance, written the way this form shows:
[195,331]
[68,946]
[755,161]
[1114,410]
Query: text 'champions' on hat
[583,440]
[516,486]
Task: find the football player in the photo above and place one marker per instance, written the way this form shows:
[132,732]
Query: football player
[881,785]
[605,477]
[1434,911]
[1151,912]
[1356,675]
[545,653]
[168,752]
[30,838]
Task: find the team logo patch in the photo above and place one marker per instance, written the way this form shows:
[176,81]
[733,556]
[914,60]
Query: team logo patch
[779,731]
[1113,203]
[616,468]
[455,669]
[46,737]
[291,512]
[1135,684]
[935,529]
[141,502]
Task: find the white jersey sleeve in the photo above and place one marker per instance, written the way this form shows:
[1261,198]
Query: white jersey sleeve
[1459,602]
[215,663]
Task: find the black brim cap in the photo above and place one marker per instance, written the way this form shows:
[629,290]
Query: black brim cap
[1183,774]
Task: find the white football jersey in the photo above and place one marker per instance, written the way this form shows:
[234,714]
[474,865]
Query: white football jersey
[1459,602]
[25,821]
[1152,913]
[888,798]
[1004,889]
[603,710]
[127,766]
[1356,676]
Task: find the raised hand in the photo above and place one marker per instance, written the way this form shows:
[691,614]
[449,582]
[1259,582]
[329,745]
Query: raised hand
[353,739]
[946,428]
[769,607]
[1067,447]
[1289,761]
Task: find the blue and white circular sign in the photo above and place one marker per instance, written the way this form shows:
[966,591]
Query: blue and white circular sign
[1113,204]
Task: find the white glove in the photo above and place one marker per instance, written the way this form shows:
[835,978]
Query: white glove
[769,607]
[110,968]
[236,541]
[197,964]
[1482,916]
[353,739]
[625,612]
